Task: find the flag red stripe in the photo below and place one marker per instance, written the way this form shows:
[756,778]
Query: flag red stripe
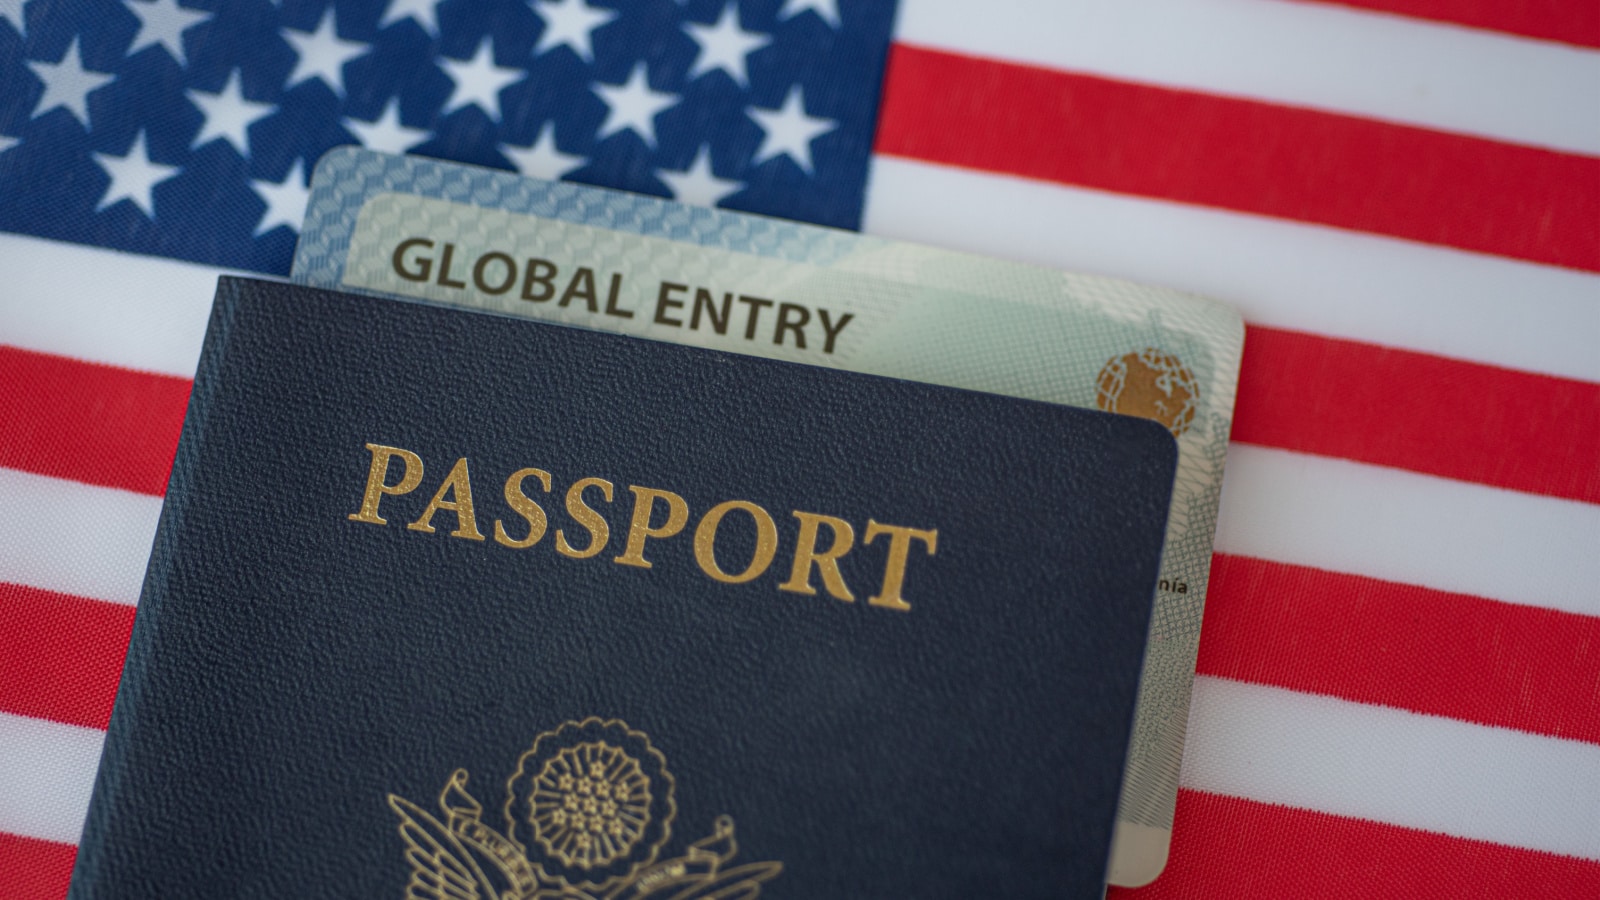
[1254,157]
[1302,392]
[60,656]
[1244,850]
[1550,20]
[35,869]
[1423,650]
[89,422]
[1518,430]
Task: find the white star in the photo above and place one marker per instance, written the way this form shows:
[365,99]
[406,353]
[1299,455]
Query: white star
[570,22]
[322,54]
[827,10]
[68,83]
[163,22]
[423,12]
[286,201]
[12,10]
[789,130]
[544,159]
[479,80]
[633,105]
[228,115]
[699,185]
[6,143]
[133,176]
[386,133]
[724,45]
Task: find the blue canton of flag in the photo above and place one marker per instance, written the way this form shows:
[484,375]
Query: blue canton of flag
[189,129]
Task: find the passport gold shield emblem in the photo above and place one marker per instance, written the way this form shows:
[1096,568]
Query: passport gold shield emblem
[588,811]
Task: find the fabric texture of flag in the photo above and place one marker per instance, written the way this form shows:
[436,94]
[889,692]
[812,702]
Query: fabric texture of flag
[1399,677]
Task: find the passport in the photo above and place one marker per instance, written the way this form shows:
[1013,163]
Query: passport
[479,238]
[453,604]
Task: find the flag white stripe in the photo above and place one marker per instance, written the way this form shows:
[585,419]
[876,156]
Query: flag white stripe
[140,312]
[1417,529]
[1285,274]
[75,538]
[1261,743]
[1371,762]
[1275,272]
[1303,54]
[46,776]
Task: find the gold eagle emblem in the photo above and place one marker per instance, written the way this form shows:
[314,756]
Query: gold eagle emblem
[588,811]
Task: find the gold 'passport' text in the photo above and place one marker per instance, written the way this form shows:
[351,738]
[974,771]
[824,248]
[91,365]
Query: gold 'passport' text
[591,533]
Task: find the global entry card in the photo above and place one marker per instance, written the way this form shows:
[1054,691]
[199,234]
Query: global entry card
[560,252]
[448,604]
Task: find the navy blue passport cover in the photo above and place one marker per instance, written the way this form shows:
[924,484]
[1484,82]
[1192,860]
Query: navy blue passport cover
[315,706]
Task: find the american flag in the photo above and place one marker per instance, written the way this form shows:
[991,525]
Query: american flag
[1399,676]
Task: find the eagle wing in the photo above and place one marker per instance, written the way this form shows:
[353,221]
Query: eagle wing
[441,869]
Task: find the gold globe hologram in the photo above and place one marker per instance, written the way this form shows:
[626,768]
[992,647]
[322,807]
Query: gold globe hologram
[1151,384]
